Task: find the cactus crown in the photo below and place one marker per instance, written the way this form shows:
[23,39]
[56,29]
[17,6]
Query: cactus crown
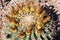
[30,21]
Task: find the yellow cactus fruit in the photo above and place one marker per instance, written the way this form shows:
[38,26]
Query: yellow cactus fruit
[39,24]
[13,12]
[32,6]
[32,9]
[20,11]
[16,24]
[39,27]
[27,6]
[41,18]
[31,27]
[37,31]
[37,14]
[28,32]
[12,23]
[13,29]
[27,9]
[42,14]
[38,8]
[21,35]
[46,19]
[14,15]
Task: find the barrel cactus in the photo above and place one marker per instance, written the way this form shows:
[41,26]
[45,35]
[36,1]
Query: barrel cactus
[31,21]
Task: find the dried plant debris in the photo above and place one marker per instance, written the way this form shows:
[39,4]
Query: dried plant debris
[31,21]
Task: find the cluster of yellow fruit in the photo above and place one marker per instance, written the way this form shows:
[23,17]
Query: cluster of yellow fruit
[28,7]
